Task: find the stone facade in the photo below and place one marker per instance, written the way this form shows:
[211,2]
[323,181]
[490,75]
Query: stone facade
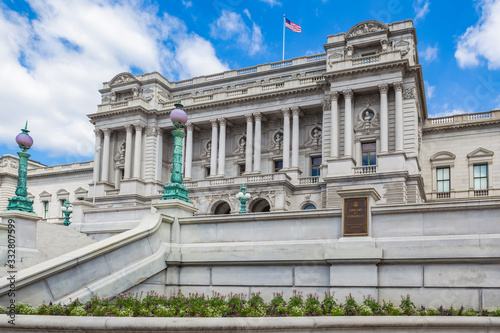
[301,134]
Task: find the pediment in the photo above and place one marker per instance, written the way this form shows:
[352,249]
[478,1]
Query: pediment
[122,78]
[366,28]
[81,190]
[443,156]
[480,152]
[45,194]
[62,192]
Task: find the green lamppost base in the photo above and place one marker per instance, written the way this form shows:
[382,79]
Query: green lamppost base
[175,191]
[20,203]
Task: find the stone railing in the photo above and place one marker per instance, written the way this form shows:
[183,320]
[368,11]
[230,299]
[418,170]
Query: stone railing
[365,169]
[78,166]
[240,180]
[343,64]
[467,118]
[443,195]
[309,180]
[251,70]
[480,193]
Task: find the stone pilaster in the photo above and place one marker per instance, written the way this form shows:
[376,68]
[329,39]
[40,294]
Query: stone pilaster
[334,124]
[348,130]
[258,140]
[105,155]
[159,154]
[222,146]
[150,154]
[137,151]
[127,172]
[97,154]
[398,87]
[189,151]
[286,137]
[295,137]
[384,119]
[249,149]
[213,151]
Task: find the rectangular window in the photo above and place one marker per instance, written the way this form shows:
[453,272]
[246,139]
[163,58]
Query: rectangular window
[443,179]
[45,209]
[278,165]
[481,177]
[369,153]
[241,168]
[315,165]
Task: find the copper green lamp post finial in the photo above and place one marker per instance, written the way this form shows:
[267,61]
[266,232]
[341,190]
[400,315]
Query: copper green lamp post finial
[21,201]
[243,197]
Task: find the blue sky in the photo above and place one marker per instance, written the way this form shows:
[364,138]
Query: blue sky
[56,54]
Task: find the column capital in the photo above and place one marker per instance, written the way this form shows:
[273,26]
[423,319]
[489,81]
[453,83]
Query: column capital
[348,94]
[222,121]
[138,127]
[159,131]
[98,133]
[214,122]
[334,95]
[257,116]
[129,128]
[384,88]
[106,131]
[296,111]
[286,112]
[249,117]
[189,126]
[398,86]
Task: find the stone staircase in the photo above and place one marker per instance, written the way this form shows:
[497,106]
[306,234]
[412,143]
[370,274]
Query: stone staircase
[52,241]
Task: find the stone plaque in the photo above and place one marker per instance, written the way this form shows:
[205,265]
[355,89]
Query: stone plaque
[356,216]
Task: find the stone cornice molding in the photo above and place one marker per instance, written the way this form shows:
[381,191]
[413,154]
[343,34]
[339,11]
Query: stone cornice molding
[60,172]
[456,127]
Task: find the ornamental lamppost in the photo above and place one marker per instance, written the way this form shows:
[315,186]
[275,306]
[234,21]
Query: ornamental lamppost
[175,189]
[20,201]
[243,197]
[67,209]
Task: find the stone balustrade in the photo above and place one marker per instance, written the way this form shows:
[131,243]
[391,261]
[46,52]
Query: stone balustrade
[463,119]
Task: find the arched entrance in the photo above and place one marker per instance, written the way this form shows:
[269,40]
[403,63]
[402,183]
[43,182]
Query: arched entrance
[260,205]
[222,208]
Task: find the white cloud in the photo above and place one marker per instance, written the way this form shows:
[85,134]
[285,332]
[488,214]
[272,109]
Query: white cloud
[230,26]
[429,53]
[272,3]
[52,66]
[430,90]
[482,39]
[187,4]
[247,13]
[421,8]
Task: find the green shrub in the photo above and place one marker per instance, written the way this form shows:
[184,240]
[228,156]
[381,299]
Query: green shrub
[78,311]
[374,306]
[24,308]
[328,303]
[337,310]
[407,305]
[365,310]
[350,306]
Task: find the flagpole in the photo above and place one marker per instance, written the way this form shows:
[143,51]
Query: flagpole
[283,58]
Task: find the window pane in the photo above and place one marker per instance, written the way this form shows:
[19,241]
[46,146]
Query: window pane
[477,171]
[308,207]
[484,172]
[484,183]
[373,159]
[446,173]
[446,186]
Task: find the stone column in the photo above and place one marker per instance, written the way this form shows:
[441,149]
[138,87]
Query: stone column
[334,124]
[128,152]
[222,146]
[295,137]
[159,154]
[189,151]
[384,119]
[97,154]
[248,160]
[398,87]
[138,151]
[258,140]
[286,138]
[359,154]
[105,156]
[213,149]
[348,94]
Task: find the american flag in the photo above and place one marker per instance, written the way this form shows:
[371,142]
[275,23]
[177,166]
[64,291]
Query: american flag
[292,26]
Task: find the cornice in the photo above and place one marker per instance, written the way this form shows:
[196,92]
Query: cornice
[457,127]
[117,112]
[60,172]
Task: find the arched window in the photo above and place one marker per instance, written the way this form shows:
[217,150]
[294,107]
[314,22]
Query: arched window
[222,208]
[309,206]
[260,205]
